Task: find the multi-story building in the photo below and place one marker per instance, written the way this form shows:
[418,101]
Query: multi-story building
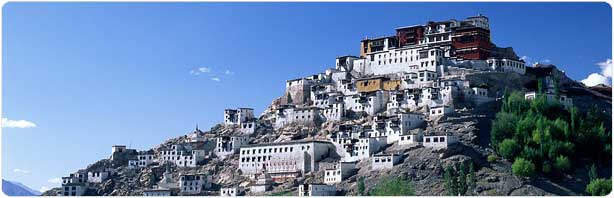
[157,192]
[284,159]
[238,116]
[97,176]
[229,192]
[316,189]
[227,145]
[194,183]
[290,114]
[339,172]
[560,98]
[75,184]
[182,155]
[74,189]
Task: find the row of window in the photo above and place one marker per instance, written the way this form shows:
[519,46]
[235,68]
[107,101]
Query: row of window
[435,139]
[146,157]
[271,150]
[385,159]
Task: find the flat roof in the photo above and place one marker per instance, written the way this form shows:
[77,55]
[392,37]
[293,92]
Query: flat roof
[345,56]
[411,26]
[153,190]
[285,143]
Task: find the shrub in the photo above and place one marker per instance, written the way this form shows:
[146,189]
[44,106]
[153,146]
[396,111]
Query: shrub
[546,167]
[592,173]
[523,167]
[508,148]
[393,187]
[492,158]
[599,187]
[361,186]
[562,163]
[503,127]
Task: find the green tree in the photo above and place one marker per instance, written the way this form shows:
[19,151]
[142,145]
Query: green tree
[562,163]
[592,173]
[508,148]
[599,187]
[450,181]
[492,158]
[523,167]
[546,167]
[471,179]
[462,179]
[503,127]
[361,186]
[393,187]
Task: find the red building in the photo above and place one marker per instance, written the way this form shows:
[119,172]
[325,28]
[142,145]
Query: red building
[410,35]
[471,43]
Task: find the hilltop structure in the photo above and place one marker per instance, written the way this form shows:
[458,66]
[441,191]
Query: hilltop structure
[392,95]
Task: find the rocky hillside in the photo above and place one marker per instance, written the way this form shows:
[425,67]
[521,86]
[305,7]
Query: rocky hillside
[424,167]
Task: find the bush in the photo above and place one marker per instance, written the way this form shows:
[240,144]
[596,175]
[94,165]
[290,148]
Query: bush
[361,186]
[599,187]
[393,187]
[592,173]
[492,158]
[523,167]
[546,167]
[504,126]
[508,148]
[562,163]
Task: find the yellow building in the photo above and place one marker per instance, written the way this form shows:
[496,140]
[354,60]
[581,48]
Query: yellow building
[377,83]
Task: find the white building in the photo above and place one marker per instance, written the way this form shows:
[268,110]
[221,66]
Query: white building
[368,102]
[305,116]
[479,95]
[438,141]
[228,145]
[229,192]
[315,189]
[182,155]
[402,60]
[74,189]
[194,183]
[385,161]
[392,127]
[507,65]
[97,176]
[334,111]
[352,149]
[551,97]
[414,137]
[75,184]
[284,158]
[238,116]
[339,172]
[440,111]
[133,163]
[145,158]
[78,177]
[117,149]
[157,192]
[248,127]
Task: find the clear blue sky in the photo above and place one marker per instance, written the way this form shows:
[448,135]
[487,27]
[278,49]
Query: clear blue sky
[91,75]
